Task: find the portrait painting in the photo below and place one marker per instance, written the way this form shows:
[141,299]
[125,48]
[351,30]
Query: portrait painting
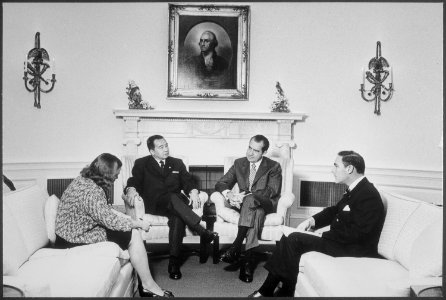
[208,52]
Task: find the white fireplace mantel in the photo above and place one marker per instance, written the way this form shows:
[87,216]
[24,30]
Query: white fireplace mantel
[207,137]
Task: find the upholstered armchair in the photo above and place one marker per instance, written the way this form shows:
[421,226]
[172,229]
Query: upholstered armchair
[159,232]
[227,218]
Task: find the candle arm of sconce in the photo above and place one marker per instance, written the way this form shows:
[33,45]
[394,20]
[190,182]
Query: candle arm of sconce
[53,81]
[364,97]
[25,79]
[389,93]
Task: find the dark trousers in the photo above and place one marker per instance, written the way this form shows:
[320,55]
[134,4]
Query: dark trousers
[252,215]
[284,262]
[180,214]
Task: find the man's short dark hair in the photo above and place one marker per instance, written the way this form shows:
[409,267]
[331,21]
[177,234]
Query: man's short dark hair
[151,141]
[260,138]
[354,159]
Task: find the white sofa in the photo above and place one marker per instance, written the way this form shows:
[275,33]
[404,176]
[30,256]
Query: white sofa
[29,263]
[411,243]
[227,218]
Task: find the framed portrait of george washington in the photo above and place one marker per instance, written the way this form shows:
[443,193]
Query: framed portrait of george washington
[208,52]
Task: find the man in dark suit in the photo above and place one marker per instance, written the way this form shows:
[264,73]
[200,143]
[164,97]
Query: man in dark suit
[260,180]
[355,223]
[159,179]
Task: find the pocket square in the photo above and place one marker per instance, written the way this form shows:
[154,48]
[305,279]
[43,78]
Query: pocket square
[175,172]
[346,208]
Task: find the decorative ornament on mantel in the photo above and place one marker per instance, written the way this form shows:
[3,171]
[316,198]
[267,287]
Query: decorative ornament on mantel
[281,104]
[135,97]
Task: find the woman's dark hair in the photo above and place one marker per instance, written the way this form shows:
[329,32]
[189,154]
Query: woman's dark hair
[101,170]
[354,159]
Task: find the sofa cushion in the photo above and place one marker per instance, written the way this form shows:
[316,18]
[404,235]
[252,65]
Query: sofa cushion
[421,218]
[27,208]
[399,209]
[14,249]
[155,220]
[77,275]
[353,277]
[229,215]
[102,249]
[51,205]
[426,257]
[232,216]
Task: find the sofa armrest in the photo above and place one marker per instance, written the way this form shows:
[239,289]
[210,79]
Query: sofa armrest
[219,200]
[15,281]
[29,289]
[285,202]
[426,291]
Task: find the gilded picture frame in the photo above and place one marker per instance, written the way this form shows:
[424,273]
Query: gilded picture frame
[208,52]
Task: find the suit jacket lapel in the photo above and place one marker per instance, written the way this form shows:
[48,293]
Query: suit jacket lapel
[168,167]
[263,168]
[245,171]
[357,188]
[154,167]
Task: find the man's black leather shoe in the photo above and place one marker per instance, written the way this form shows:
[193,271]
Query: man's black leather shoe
[174,271]
[230,256]
[246,271]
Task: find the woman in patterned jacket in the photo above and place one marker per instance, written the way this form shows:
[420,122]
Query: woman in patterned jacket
[84,216]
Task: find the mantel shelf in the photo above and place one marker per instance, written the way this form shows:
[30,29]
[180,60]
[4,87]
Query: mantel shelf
[155,114]
[218,134]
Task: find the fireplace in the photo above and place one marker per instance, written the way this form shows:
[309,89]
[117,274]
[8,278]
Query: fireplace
[205,138]
[206,176]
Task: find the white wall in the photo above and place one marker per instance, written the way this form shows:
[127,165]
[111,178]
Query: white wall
[316,51]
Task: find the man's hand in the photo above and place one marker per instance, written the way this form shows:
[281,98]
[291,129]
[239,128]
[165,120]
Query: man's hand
[131,194]
[306,225]
[235,199]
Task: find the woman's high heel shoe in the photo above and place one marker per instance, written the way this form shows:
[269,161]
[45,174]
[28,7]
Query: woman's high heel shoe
[146,293]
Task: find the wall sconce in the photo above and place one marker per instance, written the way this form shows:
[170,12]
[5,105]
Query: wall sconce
[381,70]
[36,63]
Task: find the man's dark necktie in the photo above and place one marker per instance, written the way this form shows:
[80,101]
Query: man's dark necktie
[162,165]
[347,193]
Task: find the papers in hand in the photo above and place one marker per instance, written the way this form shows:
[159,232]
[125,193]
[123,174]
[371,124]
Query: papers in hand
[287,230]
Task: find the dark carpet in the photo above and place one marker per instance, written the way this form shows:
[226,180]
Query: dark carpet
[208,279]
